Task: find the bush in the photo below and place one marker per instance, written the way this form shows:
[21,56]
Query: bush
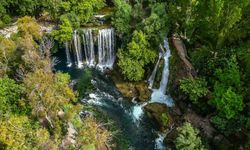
[10,94]
[188,138]
[194,88]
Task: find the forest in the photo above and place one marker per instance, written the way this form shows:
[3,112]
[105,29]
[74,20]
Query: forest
[124,74]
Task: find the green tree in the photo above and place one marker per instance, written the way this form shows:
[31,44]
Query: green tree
[228,98]
[210,22]
[156,25]
[227,102]
[84,9]
[121,18]
[47,93]
[188,138]
[138,55]
[10,94]
[194,88]
[65,31]
[7,55]
[17,132]
[91,135]
[28,26]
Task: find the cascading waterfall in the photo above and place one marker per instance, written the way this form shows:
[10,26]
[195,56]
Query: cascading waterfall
[67,50]
[78,49]
[105,44]
[158,95]
[106,54]
[88,43]
[152,77]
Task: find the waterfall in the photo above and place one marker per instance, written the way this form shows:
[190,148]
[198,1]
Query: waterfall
[158,95]
[78,49]
[165,74]
[67,50]
[105,44]
[106,54]
[89,47]
[152,77]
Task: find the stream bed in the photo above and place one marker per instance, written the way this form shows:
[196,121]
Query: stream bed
[135,128]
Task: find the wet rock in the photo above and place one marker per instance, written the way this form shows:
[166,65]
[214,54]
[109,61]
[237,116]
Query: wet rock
[159,114]
[131,89]
[143,91]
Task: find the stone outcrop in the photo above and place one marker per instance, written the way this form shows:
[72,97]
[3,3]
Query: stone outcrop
[7,31]
[159,113]
[182,53]
[133,90]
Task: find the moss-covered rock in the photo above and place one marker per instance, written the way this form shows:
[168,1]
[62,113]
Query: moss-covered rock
[159,113]
[138,90]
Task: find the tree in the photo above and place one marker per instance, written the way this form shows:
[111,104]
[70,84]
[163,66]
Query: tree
[138,55]
[188,138]
[84,9]
[92,135]
[227,102]
[194,88]
[47,93]
[65,31]
[10,94]
[156,25]
[28,26]
[210,22]
[17,132]
[7,55]
[227,96]
[122,17]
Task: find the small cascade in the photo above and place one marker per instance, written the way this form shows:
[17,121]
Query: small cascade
[67,50]
[88,43]
[78,49]
[158,95]
[159,142]
[137,111]
[152,77]
[106,54]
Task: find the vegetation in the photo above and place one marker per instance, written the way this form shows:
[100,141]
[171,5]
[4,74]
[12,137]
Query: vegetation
[188,138]
[37,105]
[133,61]
[195,88]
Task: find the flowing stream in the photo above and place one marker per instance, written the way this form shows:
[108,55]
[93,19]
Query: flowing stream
[138,133]
[135,128]
[158,95]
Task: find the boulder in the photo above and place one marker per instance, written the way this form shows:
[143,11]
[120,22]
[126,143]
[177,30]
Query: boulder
[159,113]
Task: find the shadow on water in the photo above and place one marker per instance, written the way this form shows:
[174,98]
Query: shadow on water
[108,100]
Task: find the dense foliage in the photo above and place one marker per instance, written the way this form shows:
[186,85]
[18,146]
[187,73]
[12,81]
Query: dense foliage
[139,54]
[195,88]
[217,38]
[38,108]
[37,105]
[188,138]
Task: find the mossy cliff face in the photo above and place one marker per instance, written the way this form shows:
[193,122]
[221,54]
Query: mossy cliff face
[180,68]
